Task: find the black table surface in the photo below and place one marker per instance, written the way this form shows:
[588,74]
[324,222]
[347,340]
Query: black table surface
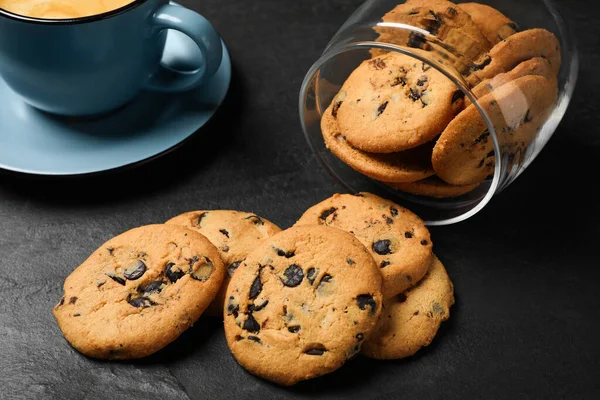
[526,276]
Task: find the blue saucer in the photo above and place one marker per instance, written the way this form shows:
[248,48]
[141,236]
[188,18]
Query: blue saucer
[34,142]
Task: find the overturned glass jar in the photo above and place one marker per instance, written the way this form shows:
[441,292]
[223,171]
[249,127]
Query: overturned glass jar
[438,105]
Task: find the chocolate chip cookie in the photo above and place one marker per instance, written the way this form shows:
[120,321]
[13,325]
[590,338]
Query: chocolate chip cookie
[494,25]
[445,20]
[405,166]
[234,233]
[395,237]
[535,66]
[515,49]
[393,103]
[411,320]
[464,153]
[433,187]
[301,304]
[139,291]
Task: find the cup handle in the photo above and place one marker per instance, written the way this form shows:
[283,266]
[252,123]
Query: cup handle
[201,31]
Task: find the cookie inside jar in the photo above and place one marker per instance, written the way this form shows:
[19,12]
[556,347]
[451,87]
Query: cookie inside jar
[436,103]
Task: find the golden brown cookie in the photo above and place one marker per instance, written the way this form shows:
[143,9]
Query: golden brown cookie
[234,233]
[464,153]
[139,291]
[395,237]
[405,166]
[393,103]
[411,320]
[443,19]
[494,25]
[515,49]
[535,66]
[302,304]
[433,187]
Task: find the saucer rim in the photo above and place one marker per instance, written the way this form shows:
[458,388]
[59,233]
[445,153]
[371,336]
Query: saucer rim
[142,161]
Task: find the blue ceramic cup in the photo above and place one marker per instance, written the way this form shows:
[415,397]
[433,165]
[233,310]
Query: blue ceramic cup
[92,65]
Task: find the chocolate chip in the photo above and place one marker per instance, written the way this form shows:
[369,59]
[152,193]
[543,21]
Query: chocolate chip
[350,261]
[315,350]
[457,96]
[256,287]
[311,275]
[436,24]
[73,300]
[100,284]
[424,242]
[110,250]
[326,279]
[204,271]
[140,302]
[62,301]
[425,67]
[151,287]
[117,279]
[256,219]
[327,213]
[401,298]
[250,324]
[451,11]
[77,315]
[422,81]
[233,307]
[224,232]
[384,264]
[200,218]
[481,163]
[135,272]
[381,108]
[238,338]
[294,329]
[408,235]
[254,307]
[232,267]
[360,336]
[382,247]
[172,275]
[399,80]
[416,312]
[414,94]
[481,63]
[254,338]
[394,211]
[293,276]
[377,63]
[417,40]
[283,253]
[366,300]
[482,138]
[387,219]
[335,108]
[490,154]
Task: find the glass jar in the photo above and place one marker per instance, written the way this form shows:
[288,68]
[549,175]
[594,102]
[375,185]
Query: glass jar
[445,88]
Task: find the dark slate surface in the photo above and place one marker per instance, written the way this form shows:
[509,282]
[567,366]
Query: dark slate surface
[525,269]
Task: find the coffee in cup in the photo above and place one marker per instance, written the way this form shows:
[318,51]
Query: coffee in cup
[61,9]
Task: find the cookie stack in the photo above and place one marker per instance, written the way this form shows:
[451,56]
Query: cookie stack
[355,274]
[402,122]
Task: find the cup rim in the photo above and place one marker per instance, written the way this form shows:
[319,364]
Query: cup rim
[71,21]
